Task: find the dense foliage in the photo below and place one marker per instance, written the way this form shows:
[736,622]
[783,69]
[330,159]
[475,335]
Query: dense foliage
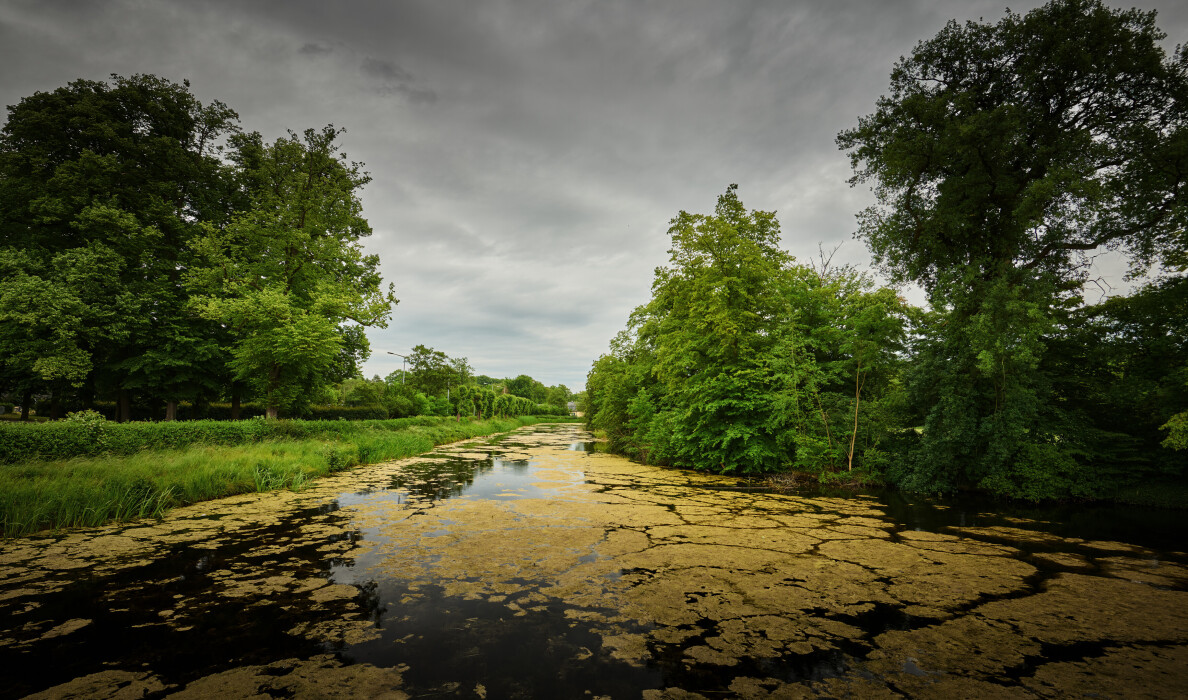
[154,253]
[160,263]
[1003,159]
[744,361]
[1004,156]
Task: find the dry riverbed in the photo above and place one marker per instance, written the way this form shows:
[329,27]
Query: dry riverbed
[533,567]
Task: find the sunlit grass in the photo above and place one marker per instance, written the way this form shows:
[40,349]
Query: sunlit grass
[91,491]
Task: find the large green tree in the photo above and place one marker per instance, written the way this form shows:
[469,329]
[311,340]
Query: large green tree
[289,275]
[102,187]
[746,362]
[691,381]
[1003,157]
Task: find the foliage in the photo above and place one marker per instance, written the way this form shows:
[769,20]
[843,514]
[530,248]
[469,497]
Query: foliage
[289,274]
[102,187]
[744,361]
[1004,156]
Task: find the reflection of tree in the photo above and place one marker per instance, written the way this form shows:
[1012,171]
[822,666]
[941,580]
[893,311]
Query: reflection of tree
[436,481]
[369,602]
[518,466]
[439,480]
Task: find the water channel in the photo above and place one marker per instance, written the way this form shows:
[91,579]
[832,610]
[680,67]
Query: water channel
[535,566]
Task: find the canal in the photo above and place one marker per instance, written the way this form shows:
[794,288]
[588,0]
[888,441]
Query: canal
[533,565]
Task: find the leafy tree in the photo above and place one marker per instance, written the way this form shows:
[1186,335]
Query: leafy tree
[485,381]
[1120,371]
[1004,155]
[102,186]
[744,361]
[528,388]
[430,370]
[559,395]
[289,275]
[838,358]
[713,323]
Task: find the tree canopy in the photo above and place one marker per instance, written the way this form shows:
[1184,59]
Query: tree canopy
[152,251]
[1025,145]
[1003,158]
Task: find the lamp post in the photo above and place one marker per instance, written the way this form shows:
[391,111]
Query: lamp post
[403,359]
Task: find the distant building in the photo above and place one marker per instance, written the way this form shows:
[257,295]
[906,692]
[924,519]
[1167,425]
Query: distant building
[572,406]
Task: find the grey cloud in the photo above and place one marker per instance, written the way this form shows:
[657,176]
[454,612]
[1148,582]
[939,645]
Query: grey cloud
[312,49]
[521,216]
[394,80]
[385,70]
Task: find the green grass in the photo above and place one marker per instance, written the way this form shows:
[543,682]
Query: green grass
[89,491]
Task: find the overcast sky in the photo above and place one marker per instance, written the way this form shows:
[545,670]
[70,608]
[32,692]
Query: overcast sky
[527,156]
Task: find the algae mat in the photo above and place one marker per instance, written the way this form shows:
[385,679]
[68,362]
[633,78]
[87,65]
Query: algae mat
[532,566]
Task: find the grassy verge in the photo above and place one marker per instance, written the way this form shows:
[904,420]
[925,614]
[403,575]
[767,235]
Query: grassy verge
[88,491]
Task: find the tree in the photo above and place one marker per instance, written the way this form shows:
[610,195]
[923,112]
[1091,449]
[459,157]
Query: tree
[102,186]
[559,395]
[429,370]
[710,327]
[289,275]
[1004,156]
[528,388]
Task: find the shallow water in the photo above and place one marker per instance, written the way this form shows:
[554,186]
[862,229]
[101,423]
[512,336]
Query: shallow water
[535,566]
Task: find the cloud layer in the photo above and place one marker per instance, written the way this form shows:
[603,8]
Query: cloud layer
[527,156]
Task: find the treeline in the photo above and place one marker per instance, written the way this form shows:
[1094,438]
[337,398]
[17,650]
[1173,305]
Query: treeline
[152,252]
[1004,157]
[434,384]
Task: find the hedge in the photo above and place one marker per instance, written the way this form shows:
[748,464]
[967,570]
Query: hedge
[20,442]
[220,411]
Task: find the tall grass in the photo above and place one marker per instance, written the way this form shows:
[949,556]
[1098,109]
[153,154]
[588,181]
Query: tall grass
[89,491]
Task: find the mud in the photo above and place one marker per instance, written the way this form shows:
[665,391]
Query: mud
[536,566]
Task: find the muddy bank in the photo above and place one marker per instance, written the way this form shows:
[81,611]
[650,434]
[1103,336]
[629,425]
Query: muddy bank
[534,567]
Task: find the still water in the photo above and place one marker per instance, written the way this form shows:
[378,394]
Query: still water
[535,566]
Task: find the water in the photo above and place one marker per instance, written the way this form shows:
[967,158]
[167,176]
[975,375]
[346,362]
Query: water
[538,566]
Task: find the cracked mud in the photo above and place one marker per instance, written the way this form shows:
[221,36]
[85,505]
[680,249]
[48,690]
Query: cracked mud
[534,566]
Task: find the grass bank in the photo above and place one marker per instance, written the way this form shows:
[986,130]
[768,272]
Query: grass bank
[94,490]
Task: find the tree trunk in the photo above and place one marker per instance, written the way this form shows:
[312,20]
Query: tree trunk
[273,379]
[55,405]
[854,436]
[234,402]
[170,410]
[25,401]
[124,407]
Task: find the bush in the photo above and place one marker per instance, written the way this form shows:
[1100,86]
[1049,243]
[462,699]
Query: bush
[347,413]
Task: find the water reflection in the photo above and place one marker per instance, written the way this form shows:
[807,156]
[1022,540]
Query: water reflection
[493,478]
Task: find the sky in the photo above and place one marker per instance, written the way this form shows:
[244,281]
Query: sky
[527,156]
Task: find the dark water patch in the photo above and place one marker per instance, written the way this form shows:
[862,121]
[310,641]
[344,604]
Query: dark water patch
[1075,652]
[492,478]
[878,619]
[451,645]
[1148,527]
[678,668]
[201,631]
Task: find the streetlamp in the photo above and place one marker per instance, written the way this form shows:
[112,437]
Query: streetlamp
[403,359]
